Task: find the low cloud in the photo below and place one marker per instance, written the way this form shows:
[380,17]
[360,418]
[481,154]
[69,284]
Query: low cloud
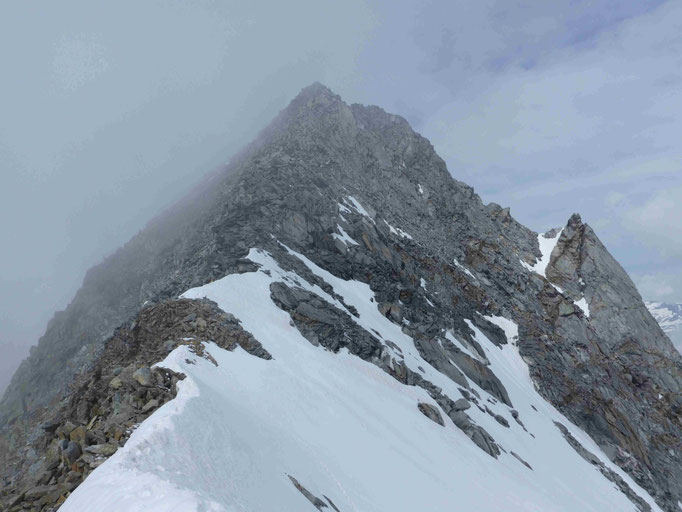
[659,220]
[658,287]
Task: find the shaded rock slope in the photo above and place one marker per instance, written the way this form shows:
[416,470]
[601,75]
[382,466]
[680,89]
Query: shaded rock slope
[353,190]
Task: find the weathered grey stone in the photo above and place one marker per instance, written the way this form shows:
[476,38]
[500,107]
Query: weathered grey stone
[143,376]
[462,404]
[105,450]
[78,435]
[152,404]
[72,452]
[317,502]
[38,491]
[431,412]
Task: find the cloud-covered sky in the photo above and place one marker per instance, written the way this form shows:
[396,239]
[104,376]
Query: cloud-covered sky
[109,111]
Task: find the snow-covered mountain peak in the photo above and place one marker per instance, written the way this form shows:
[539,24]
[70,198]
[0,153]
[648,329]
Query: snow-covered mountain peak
[334,322]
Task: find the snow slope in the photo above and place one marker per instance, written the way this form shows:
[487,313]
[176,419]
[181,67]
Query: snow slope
[344,429]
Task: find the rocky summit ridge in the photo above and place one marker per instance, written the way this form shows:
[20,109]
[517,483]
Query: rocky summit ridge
[338,193]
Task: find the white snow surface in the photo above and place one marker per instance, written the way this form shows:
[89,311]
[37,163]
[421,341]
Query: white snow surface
[547,245]
[582,304]
[339,425]
[464,269]
[360,209]
[344,237]
[398,231]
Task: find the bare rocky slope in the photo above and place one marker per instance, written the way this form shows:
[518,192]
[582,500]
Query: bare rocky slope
[359,193]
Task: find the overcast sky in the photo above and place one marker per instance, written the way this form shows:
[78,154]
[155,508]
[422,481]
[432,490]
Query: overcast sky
[110,110]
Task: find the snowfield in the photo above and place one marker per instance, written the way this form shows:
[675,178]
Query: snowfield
[345,430]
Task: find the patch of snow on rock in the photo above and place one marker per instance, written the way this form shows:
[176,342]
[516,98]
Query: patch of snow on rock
[582,304]
[463,268]
[344,237]
[398,231]
[359,208]
[547,245]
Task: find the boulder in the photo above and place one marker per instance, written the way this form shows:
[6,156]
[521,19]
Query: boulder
[72,452]
[143,377]
[462,404]
[104,450]
[431,412]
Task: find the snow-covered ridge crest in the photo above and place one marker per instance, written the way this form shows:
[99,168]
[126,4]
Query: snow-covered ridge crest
[351,434]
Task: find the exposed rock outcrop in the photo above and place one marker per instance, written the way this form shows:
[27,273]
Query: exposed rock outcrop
[362,196]
[106,403]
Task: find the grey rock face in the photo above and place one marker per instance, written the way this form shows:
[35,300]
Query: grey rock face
[143,376]
[361,195]
[623,375]
[72,451]
[316,502]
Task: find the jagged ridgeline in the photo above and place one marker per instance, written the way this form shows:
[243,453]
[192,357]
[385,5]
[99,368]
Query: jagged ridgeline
[339,324]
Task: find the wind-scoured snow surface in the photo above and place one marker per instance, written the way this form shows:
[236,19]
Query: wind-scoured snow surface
[342,427]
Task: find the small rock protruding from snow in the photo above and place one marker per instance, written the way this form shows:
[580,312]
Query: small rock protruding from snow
[431,413]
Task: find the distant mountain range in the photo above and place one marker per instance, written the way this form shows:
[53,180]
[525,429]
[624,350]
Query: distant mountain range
[669,317]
